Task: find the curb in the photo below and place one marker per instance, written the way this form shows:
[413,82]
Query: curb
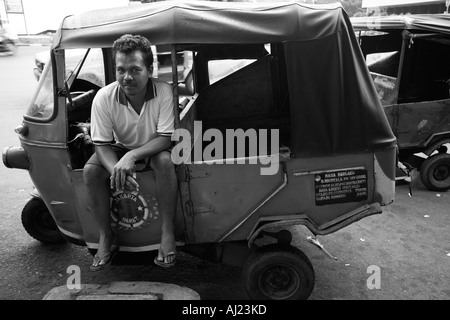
[123,290]
[35,41]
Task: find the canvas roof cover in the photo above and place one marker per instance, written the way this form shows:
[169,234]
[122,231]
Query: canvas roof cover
[201,22]
[334,106]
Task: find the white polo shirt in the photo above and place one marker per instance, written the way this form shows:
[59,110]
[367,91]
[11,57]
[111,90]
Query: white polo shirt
[113,119]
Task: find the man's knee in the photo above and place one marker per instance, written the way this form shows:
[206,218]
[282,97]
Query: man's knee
[162,163]
[93,174]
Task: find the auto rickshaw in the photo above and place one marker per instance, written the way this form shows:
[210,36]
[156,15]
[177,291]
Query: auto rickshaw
[407,57]
[286,77]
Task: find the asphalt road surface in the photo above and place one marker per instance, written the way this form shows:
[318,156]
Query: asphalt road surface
[401,254]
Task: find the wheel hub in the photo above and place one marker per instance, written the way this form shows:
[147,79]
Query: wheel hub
[279,282]
[441,173]
[45,223]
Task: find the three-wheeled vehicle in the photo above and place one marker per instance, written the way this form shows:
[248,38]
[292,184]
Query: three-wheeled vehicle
[408,59]
[282,125]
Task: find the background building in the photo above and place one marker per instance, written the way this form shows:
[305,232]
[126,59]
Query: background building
[407,6]
[38,16]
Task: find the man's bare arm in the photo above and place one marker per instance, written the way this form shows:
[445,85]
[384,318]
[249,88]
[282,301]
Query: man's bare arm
[154,146]
[107,157]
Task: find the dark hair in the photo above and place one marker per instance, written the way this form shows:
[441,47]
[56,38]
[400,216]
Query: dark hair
[129,43]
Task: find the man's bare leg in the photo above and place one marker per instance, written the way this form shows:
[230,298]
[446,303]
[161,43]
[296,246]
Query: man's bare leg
[97,184]
[167,195]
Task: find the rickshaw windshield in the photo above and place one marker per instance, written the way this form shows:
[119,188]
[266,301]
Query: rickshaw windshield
[73,63]
[42,103]
[85,64]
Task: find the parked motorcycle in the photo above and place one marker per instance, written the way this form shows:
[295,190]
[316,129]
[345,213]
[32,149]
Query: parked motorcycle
[8,44]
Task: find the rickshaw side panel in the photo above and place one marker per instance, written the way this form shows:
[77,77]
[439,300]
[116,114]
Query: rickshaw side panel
[417,122]
[229,211]
[223,195]
[57,194]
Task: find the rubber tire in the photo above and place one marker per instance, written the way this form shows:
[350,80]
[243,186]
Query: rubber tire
[431,167]
[39,223]
[278,262]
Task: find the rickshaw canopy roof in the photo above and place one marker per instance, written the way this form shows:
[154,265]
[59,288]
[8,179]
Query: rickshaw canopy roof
[438,23]
[333,102]
[174,22]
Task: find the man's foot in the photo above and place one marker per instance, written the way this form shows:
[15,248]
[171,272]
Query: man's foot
[101,263]
[167,251]
[165,260]
[107,249]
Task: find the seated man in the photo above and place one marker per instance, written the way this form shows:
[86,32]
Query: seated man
[132,119]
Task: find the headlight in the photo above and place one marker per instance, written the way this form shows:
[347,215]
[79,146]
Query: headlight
[16,158]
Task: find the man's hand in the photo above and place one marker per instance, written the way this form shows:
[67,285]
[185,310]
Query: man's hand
[123,176]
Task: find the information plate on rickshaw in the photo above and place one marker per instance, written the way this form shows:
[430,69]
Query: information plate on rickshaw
[349,185]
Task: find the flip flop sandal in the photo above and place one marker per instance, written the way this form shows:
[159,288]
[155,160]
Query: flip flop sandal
[159,260]
[102,266]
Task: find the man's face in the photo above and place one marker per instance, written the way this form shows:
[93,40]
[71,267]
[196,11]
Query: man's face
[131,73]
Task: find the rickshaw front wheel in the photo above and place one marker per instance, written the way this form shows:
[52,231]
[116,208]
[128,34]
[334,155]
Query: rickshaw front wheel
[278,272]
[39,223]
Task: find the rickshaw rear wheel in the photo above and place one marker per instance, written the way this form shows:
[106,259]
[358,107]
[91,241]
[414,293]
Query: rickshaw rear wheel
[278,272]
[435,172]
[39,223]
